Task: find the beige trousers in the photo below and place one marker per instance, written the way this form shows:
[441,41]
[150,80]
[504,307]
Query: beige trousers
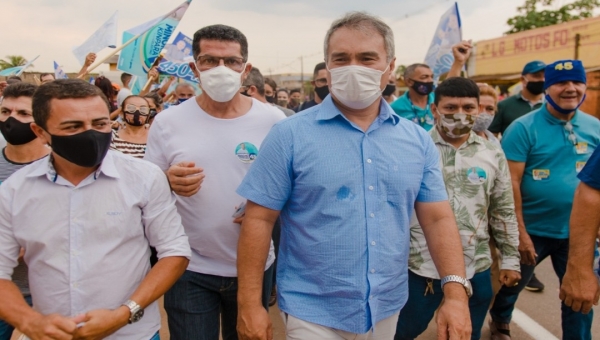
[297,329]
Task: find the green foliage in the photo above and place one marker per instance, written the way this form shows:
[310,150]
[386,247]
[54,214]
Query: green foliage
[535,14]
[12,61]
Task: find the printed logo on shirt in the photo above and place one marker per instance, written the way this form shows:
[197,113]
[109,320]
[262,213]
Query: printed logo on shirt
[579,166]
[429,120]
[581,148]
[246,152]
[540,174]
[476,175]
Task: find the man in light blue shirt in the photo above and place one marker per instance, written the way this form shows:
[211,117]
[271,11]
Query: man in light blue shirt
[546,149]
[345,198]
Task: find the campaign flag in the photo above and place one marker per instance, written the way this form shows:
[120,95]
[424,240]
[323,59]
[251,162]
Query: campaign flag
[58,72]
[448,33]
[105,36]
[179,70]
[13,71]
[26,66]
[92,80]
[137,58]
[180,49]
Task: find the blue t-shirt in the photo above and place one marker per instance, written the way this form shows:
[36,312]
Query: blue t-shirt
[404,108]
[590,174]
[552,163]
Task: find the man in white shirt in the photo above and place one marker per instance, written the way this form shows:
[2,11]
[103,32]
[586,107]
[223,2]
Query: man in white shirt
[201,137]
[86,217]
[125,90]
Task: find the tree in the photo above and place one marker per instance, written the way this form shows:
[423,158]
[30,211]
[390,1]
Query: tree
[12,61]
[399,72]
[536,13]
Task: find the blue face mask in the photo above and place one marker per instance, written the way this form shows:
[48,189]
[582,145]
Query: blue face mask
[560,109]
[181,100]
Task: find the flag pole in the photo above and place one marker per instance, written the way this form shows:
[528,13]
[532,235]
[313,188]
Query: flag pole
[115,51]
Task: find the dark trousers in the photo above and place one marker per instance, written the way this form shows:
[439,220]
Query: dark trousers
[198,303]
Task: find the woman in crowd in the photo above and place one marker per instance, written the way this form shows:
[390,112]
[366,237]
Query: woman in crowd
[283,97]
[155,102]
[132,136]
[488,100]
[107,88]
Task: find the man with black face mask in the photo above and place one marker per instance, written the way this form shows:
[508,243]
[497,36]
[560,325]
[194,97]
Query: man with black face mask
[415,104]
[529,99]
[86,217]
[22,147]
[390,89]
[321,86]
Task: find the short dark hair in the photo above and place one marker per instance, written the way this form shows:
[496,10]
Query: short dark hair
[21,89]
[47,74]
[319,67]
[221,33]
[61,89]
[256,79]
[13,80]
[125,77]
[410,69]
[292,91]
[456,87]
[271,83]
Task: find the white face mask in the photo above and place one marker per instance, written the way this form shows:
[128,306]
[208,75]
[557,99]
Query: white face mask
[483,121]
[221,83]
[356,87]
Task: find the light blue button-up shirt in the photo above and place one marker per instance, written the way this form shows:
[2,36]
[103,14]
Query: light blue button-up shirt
[345,198]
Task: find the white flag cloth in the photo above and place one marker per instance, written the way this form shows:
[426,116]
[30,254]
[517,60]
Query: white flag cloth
[448,33]
[105,36]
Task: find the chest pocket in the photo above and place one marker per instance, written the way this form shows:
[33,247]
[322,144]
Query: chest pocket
[402,183]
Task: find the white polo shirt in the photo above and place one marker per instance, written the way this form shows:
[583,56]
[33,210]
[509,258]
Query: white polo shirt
[186,133]
[87,246]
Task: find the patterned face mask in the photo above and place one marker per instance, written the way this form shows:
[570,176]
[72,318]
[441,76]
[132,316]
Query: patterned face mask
[456,125]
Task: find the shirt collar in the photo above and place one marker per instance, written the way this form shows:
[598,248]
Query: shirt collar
[528,101]
[328,110]
[45,167]
[553,120]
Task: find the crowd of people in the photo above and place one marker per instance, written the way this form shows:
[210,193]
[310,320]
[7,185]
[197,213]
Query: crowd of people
[360,213]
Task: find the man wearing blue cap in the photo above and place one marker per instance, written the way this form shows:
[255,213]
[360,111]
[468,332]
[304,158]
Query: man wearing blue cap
[529,99]
[546,149]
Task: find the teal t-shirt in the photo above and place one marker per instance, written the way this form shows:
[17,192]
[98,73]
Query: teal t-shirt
[405,109]
[552,163]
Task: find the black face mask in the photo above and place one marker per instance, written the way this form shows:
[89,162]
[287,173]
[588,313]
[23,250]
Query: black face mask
[535,87]
[270,99]
[136,118]
[389,90]
[16,132]
[245,93]
[153,113]
[422,88]
[322,91]
[86,149]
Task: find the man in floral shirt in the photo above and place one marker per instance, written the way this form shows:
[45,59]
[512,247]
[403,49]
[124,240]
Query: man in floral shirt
[479,190]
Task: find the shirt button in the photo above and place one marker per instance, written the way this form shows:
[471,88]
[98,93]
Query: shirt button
[373,243]
[371,188]
[372,215]
[369,160]
[372,271]
[370,297]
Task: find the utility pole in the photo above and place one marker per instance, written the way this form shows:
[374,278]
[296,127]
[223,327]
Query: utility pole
[302,74]
[577,45]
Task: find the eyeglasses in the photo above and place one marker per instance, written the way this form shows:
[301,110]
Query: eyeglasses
[569,129]
[207,62]
[130,108]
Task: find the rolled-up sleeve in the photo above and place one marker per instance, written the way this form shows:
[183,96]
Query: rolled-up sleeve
[9,247]
[432,185]
[269,180]
[161,221]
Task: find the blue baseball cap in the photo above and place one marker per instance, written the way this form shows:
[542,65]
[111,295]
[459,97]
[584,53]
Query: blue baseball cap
[533,67]
[565,70]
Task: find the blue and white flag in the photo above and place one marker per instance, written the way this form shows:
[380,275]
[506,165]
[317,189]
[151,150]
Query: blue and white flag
[92,80]
[180,50]
[105,36]
[448,33]
[179,70]
[137,58]
[58,72]
[13,71]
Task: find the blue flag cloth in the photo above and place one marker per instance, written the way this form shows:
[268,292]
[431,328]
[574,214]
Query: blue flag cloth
[58,72]
[180,49]
[448,33]
[137,58]
[11,71]
[179,70]
[92,80]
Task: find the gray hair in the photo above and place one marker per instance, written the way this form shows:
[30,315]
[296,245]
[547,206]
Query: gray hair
[363,21]
[255,78]
[410,70]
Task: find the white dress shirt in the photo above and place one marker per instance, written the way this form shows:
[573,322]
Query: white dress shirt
[87,246]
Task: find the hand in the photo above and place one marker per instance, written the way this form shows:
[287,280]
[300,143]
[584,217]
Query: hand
[453,318]
[509,278]
[462,51]
[185,178]
[101,323]
[239,220]
[527,250]
[254,324]
[89,59]
[153,73]
[579,290]
[3,85]
[54,326]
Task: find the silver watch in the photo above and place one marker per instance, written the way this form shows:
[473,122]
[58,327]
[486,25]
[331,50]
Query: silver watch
[136,311]
[455,278]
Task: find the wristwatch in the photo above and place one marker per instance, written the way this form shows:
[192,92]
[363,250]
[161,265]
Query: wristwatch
[136,311]
[455,278]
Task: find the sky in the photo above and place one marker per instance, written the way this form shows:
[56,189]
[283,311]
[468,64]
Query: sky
[279,32]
